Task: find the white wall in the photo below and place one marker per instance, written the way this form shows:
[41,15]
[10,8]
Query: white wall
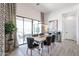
[77,27]
[26,10]
[58,15]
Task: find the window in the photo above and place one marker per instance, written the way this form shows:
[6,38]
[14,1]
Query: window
[25,28]
[35,27]
[19,25]
[40,27]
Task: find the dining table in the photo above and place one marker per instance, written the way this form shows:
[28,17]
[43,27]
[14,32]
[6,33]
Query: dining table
[39,39]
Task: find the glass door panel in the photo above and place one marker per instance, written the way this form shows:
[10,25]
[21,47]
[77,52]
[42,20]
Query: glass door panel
[35,27]
[27,28]
[40,27]
[19,25]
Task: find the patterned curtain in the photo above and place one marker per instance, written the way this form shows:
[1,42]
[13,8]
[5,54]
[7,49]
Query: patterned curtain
[2,32]
[7,12]
[10,15]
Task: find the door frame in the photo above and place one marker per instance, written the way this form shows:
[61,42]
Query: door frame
[63,18]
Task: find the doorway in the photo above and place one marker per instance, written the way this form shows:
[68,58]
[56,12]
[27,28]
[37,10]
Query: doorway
[69,26]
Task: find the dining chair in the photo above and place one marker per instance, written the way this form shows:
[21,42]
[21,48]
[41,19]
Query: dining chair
[53,40]
[32,45]
[59,36]
[47,42]
[49,33]
[41,34]
[35,35]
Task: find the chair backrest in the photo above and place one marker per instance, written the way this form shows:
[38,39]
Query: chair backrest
[20,36]
[53,38]
[41,34]
[49,33]
[30,42]
[48,40]
[34,35]
[59,33]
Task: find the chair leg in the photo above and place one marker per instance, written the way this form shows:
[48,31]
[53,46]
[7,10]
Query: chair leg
[48,49]
[38,50]
[31,52]
[53,45]
[27,50]
[42,51]
[42,48]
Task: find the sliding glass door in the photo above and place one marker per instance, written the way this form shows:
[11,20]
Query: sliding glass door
[36,27]
[40,27]
[19,24]
[25,28]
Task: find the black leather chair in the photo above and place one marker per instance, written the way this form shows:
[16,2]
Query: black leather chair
[41,34]
[31,44]
[49,33]
[34,35]
[53,40]
[47,42]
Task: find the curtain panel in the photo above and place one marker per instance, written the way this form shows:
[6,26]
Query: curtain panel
[2,29]
[10,15]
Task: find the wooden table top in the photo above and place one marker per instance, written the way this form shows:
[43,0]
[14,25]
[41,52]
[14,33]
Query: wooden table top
[40,38]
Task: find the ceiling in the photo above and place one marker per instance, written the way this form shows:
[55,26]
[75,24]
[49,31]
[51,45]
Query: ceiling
[47,7]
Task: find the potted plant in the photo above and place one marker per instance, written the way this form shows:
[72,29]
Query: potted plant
[9,29]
